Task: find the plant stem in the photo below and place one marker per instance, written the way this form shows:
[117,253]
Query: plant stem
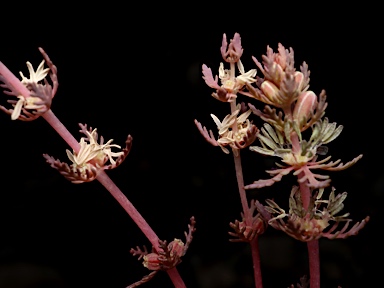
[104,179]
[248,221]
[246,209]
[313,245]
[61,130]
[314,263]
[256,262]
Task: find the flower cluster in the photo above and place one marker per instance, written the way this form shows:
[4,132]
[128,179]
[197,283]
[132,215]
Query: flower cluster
[295,131]
[312,223]
[246,231]
[282,84]
[166,256]
[235,131]
[91,157]
[30,107]
[290,110]
[230,84]
[303,160]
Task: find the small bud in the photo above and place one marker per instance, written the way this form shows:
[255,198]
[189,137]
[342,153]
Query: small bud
[305,105]
[177,248]
[270,90]
[151,261]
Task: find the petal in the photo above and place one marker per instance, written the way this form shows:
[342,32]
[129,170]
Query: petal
[217,121]
[40,72]
[240,66]
[244,116]
[17,109]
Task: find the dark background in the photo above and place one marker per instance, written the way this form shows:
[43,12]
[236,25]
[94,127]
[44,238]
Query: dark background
[137,71]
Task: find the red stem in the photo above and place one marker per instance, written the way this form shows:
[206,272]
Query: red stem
[256,262]
[312,246]
[246,209]
[314,263]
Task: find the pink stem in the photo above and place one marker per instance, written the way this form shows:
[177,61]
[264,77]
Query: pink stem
[240,184]
[102,177]
[246,210]
[13,80]
[314,263]
[256,262]
[312,246]
[61,130]
[248,221]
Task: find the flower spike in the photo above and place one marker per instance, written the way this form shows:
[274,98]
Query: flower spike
[91,158]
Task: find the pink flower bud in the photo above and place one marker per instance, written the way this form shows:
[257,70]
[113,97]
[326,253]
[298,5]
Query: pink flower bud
[151,261]
[270,90]
[177,248]
[305,105]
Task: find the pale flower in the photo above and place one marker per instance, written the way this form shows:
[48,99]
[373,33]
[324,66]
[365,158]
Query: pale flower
[30,103]
[39,99]
[314,223]
[91,157]
[230,85]
[242,136]
[301,162]
[34,77]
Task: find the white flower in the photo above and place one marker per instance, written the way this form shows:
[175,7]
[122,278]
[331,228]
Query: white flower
[93,151]
[244,134]
[233,85]
[30,103]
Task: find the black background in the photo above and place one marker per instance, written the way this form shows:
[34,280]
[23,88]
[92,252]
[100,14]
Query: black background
[137,71]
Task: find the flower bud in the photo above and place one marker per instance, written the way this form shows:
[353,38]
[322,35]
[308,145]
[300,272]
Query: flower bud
[305,105]
[177,248]
[270,90]
[151,261]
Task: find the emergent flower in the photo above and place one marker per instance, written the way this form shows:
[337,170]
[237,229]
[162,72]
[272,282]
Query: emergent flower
[230,85]
[313,224]
[235,132]
[91,157]
[39,100]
